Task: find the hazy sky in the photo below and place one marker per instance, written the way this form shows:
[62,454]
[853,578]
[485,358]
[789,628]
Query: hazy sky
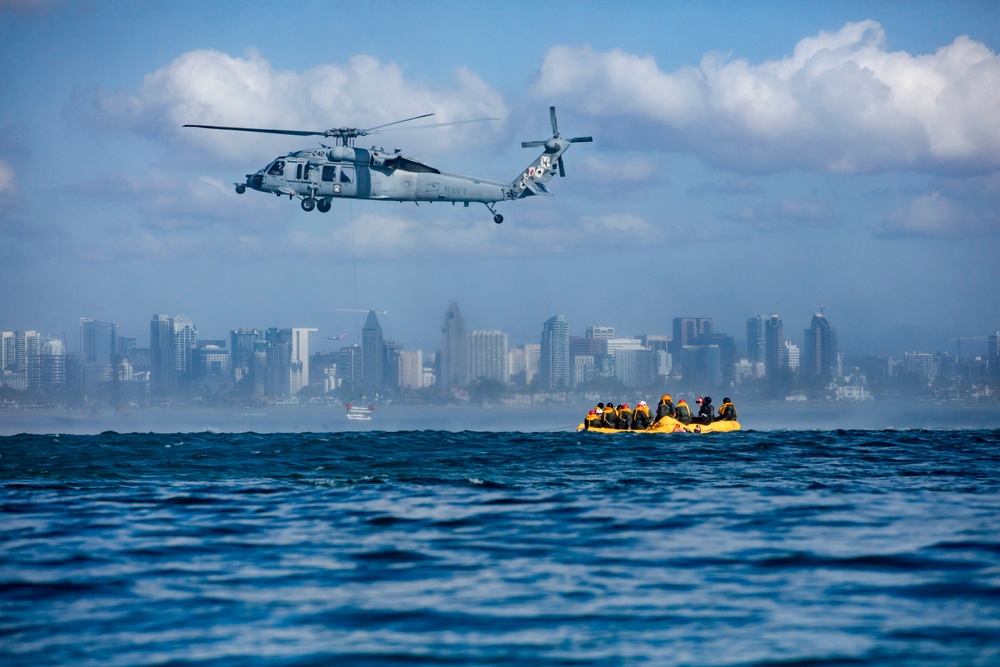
[748,158]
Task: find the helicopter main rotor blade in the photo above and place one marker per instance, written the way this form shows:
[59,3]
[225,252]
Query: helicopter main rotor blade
[297,133]
[397,122]
[451,122]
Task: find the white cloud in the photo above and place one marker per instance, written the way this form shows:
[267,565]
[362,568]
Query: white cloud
[8,186]
[840,102]
[786,214]
[930,215]
[212,88]
[6,178]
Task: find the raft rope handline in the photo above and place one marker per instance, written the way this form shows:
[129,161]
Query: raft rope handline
[354,270]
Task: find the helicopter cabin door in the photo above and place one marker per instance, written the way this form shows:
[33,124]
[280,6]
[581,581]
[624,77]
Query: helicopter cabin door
[301,175]
[339,181]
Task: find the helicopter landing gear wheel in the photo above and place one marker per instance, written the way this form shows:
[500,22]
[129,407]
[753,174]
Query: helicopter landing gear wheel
[240,189]
[323,206]
[308,204]
[497,218]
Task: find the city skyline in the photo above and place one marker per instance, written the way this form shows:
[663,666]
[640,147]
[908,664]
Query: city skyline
[769,343]
[747,159]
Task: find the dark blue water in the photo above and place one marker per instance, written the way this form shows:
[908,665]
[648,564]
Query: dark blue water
[465,548]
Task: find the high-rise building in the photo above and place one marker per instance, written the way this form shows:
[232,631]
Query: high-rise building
[686,331]
[372,353]
[242,343]
[98,348]
[921,363]
[600,332]
[993,353]
[454,358]
[299,339]
[635,366]
[488,356]
[820,349]
[532,361]
[792,356]
[162,355]
[411,369]
[554,358]
[756,339]
[52,364]
[588,356]
[774,346]
[185,340]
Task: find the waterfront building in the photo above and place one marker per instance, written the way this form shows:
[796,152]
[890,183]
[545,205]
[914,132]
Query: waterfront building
[600,333]
[98,351]
[411,369]
[185,340]
[820,360]
[686,330]
[589,356]
[488,356]
[635,366]
[774,346]
[242,343]
[554,353]
[757,339]
[454,358]
[299,339]
[792,356]
[372,352]
[532,361]
[162,356]
[52,364]
[920,363]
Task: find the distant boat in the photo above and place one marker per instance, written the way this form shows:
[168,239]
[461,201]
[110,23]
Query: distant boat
[360,413]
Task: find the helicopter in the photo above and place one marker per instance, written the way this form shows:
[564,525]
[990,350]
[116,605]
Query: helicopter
[318,176]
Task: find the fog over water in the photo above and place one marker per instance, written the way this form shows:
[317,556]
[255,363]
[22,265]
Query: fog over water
[790,415]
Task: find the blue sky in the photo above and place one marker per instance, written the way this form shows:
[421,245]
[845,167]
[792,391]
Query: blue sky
[749,158]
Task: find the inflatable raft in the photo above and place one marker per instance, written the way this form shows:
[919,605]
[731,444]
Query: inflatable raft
[671,425]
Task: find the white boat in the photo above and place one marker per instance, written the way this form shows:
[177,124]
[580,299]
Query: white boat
[359,412]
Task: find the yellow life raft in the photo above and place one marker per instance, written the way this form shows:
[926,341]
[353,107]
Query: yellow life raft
[671,425]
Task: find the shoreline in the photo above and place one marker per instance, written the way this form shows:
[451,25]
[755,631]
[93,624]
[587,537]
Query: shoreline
[758,416]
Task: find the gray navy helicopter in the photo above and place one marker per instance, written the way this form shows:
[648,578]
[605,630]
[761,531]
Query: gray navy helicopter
[318,176]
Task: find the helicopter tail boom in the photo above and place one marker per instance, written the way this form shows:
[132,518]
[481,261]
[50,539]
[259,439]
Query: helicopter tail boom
[533,180]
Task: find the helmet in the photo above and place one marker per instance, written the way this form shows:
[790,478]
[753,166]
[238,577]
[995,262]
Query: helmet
[725,400]
[642,402]
[600,411]
[708,399]
[625,405]
[592,412]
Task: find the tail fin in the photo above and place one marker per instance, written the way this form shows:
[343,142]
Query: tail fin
[533,180]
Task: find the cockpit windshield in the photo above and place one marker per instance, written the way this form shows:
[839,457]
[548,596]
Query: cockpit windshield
[277,168]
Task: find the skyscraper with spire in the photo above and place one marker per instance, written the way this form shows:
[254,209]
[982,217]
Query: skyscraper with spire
[372,352]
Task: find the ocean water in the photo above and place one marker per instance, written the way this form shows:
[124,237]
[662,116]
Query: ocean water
[435,547]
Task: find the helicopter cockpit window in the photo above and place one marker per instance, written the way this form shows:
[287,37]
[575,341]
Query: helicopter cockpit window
[277,168]
[346,175]
[329,173]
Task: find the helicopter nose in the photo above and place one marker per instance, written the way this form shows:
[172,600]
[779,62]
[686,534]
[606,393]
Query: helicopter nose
[255,181]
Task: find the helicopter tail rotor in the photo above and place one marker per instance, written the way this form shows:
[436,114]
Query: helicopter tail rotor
[556,143]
